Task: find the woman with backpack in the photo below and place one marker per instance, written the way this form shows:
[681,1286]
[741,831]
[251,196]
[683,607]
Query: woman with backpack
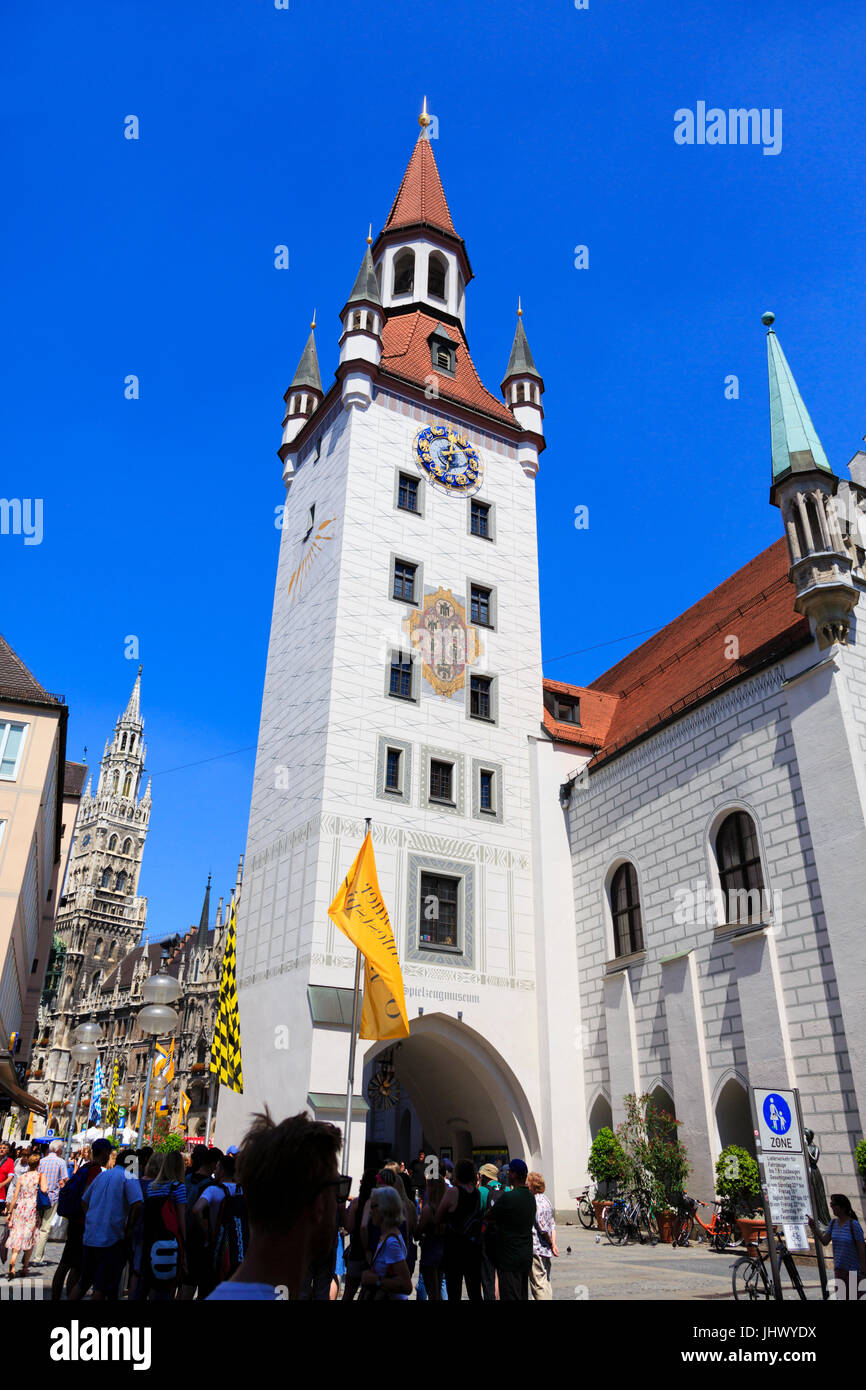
[849,1250]
[460,1210]
[163,1238]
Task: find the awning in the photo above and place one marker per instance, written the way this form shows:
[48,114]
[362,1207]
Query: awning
[9,1087]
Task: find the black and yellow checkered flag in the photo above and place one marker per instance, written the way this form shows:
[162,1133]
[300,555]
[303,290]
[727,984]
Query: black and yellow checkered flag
[225,1055]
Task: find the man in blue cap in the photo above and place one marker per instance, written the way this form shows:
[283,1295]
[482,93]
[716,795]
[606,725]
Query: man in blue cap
[510,1225]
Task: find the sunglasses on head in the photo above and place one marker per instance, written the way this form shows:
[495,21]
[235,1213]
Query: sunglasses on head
[343,1184]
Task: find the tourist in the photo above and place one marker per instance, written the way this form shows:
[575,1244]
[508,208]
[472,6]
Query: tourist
[489,1190]
[22,1215]
[849,1251]
[418,1173]
[164,1229]
[291,1184]
[206,1214]
[388,1276]
[511,1222]
[460,1213]
[356,1254]
[52,1176]
[111,1205]
[7,1172]
[198,1179]
[71,1207]
[432,1239]
[543,1240]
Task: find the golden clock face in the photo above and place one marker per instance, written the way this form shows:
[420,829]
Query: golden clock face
[449,460]
[312,543]
[383,1090]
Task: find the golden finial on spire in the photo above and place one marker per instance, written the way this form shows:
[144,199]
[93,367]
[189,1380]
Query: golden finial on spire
[313,324]
[370,235]
[519,308]
[424,120]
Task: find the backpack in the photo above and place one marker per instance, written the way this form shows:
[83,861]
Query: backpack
[161,1243]
[71,1193]
[233,1233]
[472,1229]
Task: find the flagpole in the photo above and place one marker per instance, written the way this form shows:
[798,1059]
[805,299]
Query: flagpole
[209,1110]
[353,1039]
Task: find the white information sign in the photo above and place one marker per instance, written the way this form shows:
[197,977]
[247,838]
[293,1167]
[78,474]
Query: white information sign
[784,1162]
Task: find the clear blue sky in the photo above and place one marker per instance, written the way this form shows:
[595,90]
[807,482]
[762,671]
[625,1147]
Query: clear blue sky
[261,126]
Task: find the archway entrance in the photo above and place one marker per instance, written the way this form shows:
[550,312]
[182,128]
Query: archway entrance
[461,1098]
[734,1117]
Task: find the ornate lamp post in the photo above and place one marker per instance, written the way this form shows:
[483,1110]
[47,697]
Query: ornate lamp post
[83,1052]
[157,1019]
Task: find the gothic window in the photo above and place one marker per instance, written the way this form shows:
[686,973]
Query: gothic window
[94,983]
[625,910]
[195,972]
[114,783]
[105,881]
[127,784]
[112,844]
[437,274]
[121,883]
[740,873]
[112,950]
[814,524]
[404,272]
[201,1050]
[97,950]
[127,846]
[123,743]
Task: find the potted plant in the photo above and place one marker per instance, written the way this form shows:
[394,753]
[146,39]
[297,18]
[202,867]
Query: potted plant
[738,1183]
[656,1162]
[860,1158]
[606,1167]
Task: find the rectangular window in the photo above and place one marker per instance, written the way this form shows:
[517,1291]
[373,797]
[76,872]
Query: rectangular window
[479,697]
[441,781]
[485,799]
[11,739]
[404,581]
[439,897]
[566,711]
[480,605]
[479,523]
[401,675]
[392,770]
[407,493]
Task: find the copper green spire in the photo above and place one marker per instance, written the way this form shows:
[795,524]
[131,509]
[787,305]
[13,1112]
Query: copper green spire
[307,373]
[796,447]
[365,289]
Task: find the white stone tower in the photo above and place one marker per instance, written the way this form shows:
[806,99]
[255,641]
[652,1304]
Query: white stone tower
[403,683]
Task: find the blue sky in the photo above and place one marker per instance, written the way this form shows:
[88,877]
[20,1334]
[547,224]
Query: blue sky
[261,126]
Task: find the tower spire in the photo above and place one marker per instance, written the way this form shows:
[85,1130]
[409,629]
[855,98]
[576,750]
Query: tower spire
[133,708]
[204,920]
[795,444]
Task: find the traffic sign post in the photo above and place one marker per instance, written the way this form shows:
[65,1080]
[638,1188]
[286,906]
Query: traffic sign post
[819,1249]
[786,1183]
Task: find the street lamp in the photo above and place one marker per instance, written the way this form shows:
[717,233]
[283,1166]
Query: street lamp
[156,1018]
[84,1051]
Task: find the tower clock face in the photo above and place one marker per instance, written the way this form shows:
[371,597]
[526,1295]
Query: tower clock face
[449,460]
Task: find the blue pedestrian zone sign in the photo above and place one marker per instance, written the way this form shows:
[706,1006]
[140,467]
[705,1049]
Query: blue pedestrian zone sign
[777,1114]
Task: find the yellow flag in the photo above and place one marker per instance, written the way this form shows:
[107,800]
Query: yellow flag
[29,1129]
[138,1116]
[169,1066]
[359,912]
[185,1103]
[161,1056]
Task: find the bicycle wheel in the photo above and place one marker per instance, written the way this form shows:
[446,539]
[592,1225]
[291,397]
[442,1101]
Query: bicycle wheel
[585,1214]
[722,1238]
[749,1280]
[686,1227]
[615,1226]
[645,1233]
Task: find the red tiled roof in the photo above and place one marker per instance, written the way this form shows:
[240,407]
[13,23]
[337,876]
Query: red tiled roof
[686,661]
[421,197]
[596,712]
[74,777]
[406,354]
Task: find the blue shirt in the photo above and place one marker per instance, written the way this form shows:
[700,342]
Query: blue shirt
[232,1292]
[107,1202]
[845,1254]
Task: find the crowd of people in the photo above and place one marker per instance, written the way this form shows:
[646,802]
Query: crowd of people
[274,1220]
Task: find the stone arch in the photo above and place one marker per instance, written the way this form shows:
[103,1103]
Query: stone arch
[733,1113]
[600,1115]
[461,1088]
[662,1099]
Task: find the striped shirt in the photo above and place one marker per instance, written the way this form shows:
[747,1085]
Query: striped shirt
[844,1235]
[55,1171]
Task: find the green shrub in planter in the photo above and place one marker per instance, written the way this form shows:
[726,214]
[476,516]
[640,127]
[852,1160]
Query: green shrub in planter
[168,1144]
[738,1181]
[606,1159]
[860,1157]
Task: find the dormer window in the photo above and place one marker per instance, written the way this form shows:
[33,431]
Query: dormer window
[437,276]
[443,351]
[404,272]
[564,708]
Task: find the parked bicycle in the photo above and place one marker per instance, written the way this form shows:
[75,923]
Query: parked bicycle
[585,1209]
[720,1229]
[629,1218]
[752,1275]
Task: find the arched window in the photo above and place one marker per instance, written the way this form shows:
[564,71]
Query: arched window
[814,524]
[114,781]
[112,844]
[437,276]
[94,983]
[121,883]
[127,784]
[740,873]
[97,950]
[794,516]
[127,846]
[123,743]
[195,971]
[625,910]
[105,881]
[201,1050]
[404,272]
[112,950]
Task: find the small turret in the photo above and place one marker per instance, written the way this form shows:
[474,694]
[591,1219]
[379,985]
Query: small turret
[522,389]
[304,395]
[804,487]
[362,318]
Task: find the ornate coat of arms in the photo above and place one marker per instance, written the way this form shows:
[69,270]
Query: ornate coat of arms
[447,643]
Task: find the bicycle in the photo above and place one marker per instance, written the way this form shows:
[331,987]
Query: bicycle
[585,1209]
[629,1218]
[719,1230]
[751,1279]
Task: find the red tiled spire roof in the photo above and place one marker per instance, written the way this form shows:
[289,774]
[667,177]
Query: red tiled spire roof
[421,197]
[686,661]
[406,354]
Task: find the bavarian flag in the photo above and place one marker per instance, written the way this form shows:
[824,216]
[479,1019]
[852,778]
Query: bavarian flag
[185,1103]
[359,912]
[225,1054]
